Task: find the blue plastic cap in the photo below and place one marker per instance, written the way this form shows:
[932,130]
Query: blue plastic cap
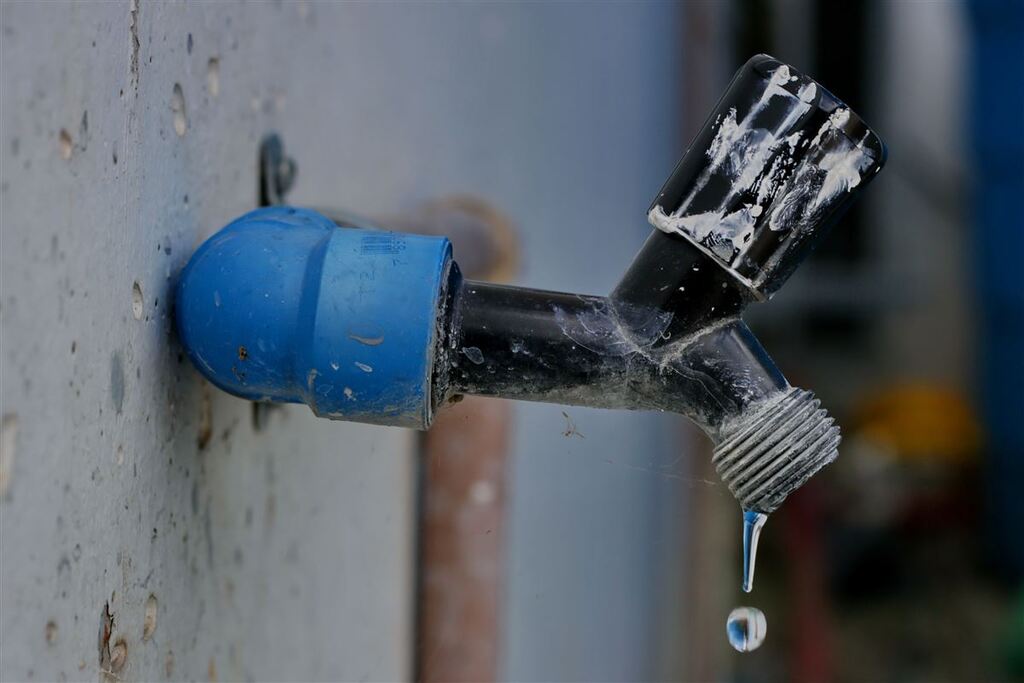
[282,305]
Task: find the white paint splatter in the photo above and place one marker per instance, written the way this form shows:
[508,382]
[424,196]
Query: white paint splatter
[821,179]
[842,173]
[722,234]
[791,192]
[740,150]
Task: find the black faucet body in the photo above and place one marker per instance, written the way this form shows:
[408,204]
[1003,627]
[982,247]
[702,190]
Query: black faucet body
[604,352]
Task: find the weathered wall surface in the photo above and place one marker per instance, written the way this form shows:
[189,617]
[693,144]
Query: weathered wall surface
[130,134]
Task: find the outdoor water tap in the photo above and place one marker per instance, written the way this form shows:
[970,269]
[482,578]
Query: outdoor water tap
[381,327]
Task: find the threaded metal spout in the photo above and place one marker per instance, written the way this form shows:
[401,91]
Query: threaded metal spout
[775,448]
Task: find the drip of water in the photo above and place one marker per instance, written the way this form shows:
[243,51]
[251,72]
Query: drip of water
[746,628]
[752,524]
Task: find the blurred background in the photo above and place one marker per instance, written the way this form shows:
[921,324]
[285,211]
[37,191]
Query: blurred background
[903,562]
[514,542]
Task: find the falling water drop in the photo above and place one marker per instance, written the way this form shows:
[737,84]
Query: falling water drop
[746,628]
[752,524]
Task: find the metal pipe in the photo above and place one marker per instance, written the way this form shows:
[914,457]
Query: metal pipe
[536,345]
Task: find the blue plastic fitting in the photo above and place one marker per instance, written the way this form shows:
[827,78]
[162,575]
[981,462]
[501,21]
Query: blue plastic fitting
[282,305]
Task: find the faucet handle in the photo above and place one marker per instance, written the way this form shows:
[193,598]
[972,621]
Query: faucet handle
[772,168]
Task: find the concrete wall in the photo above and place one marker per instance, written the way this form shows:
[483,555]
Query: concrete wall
[279,554]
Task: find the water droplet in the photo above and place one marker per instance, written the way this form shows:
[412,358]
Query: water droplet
[746,628]
[752,524]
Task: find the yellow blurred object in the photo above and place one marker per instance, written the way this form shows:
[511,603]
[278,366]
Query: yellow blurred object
[920,422]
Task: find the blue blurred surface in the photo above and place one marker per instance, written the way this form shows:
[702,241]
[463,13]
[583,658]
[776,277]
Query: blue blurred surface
[997,134]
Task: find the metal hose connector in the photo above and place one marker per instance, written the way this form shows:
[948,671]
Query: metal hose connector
[775,449]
